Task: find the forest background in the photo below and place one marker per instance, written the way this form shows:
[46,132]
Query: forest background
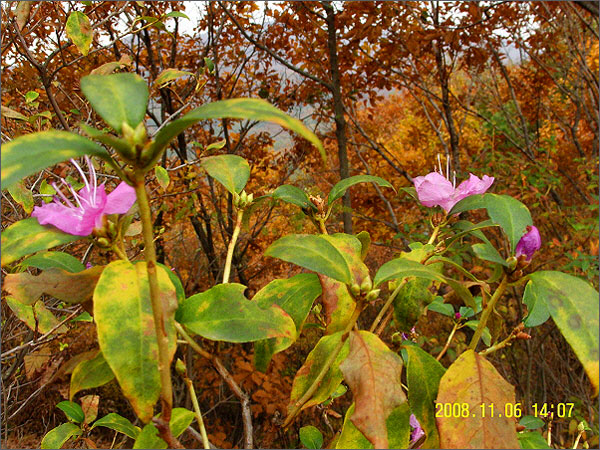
[508,89]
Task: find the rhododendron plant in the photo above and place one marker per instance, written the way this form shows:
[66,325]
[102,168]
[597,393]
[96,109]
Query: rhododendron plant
[91,204]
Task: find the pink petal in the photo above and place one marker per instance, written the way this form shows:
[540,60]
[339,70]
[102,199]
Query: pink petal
[120,200]
[434,190]
[69,220]
[473,186]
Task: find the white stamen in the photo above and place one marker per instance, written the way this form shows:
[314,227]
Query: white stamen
[454,178]
[85,180]
[76,196]
[447,167]
[440,164]
[93,178]
[59,192]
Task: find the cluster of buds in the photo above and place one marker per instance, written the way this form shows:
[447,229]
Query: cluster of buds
[518,332]
[104,237]
[136,140]
[320,204]
[365,289]
[242,200]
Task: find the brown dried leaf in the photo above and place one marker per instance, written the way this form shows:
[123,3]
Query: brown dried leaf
[69,287]
[89,404]
[473,380]
[373,373]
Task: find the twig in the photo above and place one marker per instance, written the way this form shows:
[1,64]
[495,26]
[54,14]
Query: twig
[244,399]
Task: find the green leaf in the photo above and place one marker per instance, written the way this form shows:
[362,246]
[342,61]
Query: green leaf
[351,249]
[398,430]
[117,423]
[117,98]
[311,437]
[487,252]
[439,306]
[402,267]
[36,316]
[313,253]
[536,306]
[162,176]
[177,14]
[573,305]
[315,361]
[28,236]
[231,171]
[31,96]
[126,331]
[423,375]
[119,144]
[181,418]
[222,313]
[295,296]
[22,196]
[532,440]
[486,337]
[53,260]
[209,64]
[216,145]
[33,152]
[468,203]
[373,373]
[168,75]
[79,30]
[365,242]
[57,437]
[72,410]
[47,190]
[90,373]
[293,195]
[340,188]
[238,108]
[531,422]
[508,212]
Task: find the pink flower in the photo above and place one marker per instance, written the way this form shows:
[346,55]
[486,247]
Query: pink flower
[529,243]
[417,432]
[434,189]
[92,204]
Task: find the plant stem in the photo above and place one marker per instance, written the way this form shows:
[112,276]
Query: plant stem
[190,386]
[315,384]
[505,343]
[387,305]
[487,311]
[434,235]
[236,232]
[456,327]
[120,253]
[322,226]
[164,361]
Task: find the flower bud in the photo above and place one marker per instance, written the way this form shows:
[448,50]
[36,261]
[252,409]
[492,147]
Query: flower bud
[586,445]
[366,285]
[139,134]
[250,198]
[512,262]
[392,285]
[373,295]
[180,367]
[243,198]
[103,243]
[529,243]
[355,289]
[127,132]
[581,427]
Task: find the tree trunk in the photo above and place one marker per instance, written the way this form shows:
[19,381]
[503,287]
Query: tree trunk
[338,108]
